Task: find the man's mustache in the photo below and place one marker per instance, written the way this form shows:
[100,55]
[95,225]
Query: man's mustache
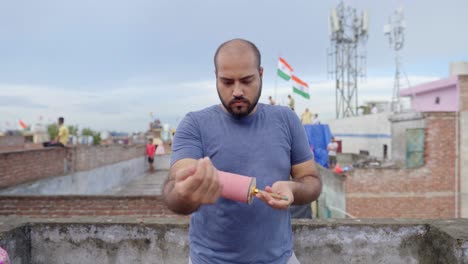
[238,100]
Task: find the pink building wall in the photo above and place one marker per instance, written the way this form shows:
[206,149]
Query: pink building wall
[437,96]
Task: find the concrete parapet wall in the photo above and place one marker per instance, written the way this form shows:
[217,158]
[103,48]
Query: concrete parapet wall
[332,200]
[30,165]
[358,243]
[162,162]
[91,157]
[91,182]
[315,241]
[17,242]
[7,142]
[331,203]
[109,243]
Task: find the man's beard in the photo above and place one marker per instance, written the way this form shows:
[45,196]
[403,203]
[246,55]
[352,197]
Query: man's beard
[250,105]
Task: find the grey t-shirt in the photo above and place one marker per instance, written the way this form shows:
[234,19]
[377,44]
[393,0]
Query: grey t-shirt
[264,145]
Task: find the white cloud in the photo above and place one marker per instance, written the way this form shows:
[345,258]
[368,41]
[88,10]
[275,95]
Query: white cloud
[132,50]
[322,94]
[124,108]
[127,108]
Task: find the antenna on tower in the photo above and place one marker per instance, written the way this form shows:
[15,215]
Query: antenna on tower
[346,58]
[395,30]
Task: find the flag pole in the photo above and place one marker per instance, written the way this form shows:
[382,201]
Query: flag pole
[276,78]
[292,95]
[276,81]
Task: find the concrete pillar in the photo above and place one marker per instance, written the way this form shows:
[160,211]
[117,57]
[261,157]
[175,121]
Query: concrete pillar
[463,144]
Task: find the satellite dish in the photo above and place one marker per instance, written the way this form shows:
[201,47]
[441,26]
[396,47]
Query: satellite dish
[335,20]
[395,30]
[365,22]
[387,29]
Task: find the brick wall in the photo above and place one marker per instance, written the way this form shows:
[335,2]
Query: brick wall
[91,157]
[29,165]
[23,166]
[11,141]
[463,86]
[425,192]
[67,206]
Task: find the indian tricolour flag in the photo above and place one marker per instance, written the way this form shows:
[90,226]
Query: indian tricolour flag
[22,124]
[300,87]
[284,70]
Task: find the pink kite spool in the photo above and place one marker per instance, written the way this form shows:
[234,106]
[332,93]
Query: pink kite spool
[237,187]
[4,257]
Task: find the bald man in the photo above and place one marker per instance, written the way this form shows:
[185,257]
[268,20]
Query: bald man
[244,137]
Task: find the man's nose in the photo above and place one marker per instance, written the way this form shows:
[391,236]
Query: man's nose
[238,90]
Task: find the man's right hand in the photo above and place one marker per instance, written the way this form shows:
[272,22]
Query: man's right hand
[195,182]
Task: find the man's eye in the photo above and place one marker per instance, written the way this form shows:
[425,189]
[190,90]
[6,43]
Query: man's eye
[246,81]
[226,82]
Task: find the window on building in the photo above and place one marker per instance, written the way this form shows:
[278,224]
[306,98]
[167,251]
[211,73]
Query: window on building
[414,147]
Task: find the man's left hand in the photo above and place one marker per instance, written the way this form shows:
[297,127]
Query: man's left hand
[280,187]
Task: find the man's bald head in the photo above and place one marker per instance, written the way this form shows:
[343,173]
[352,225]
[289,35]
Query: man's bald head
[238,46]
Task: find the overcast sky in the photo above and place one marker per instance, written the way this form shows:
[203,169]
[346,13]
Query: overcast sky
[108,64]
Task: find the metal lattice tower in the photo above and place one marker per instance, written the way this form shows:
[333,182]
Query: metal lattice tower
[395,30]
[347,56]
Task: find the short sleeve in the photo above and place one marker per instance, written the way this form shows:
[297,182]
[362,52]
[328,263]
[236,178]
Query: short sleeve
[187,140]
[300,147]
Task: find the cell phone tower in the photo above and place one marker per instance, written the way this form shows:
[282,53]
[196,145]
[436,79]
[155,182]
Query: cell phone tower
[347,56]
[395,30]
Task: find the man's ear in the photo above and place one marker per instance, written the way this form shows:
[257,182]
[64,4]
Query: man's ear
[261,71]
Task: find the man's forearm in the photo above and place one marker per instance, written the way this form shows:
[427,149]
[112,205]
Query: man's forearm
[306,189]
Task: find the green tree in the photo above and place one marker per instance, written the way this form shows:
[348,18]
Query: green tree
[97,139]
[87,132]
[94,134]
[53,130]
[73,130]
